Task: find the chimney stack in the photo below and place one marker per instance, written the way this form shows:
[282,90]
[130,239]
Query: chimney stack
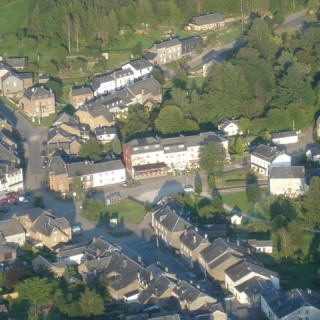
[194,239]
[206,236]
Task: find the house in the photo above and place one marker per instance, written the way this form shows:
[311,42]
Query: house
[12,85]
[79,96]
[191,45]
[165,52]
[260,246]
[287,181]
[191,243]
[141,68]
[244,271]
[230,127]
[219,256]
[101,85]
[153,156]
[283,138]
[191,298]
[13,232]
[43,78]
[124,274]
[236,217]
[106,134]
[99,248]
[50,230]
[27,79]
[11,178]
[8,251]
[41,264]
[169,227]
[123,78]
[8,156]
[292,305]
[72,254]
[38,102]
[60,139]
[17,63]
[159,291]
[265,157]
[212,21]
[91,174]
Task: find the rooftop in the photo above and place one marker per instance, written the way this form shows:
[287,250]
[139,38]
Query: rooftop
[296,172]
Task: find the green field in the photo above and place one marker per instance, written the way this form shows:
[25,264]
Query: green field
[13,15]
[234,178]
[125,210]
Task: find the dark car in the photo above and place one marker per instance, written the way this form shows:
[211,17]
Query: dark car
[42,154]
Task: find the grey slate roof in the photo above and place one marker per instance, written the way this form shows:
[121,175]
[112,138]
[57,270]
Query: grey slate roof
[19,62]
[66,118]
[38,93]
[96,82]
[296,172]
[99,248]
[225,122]
[156,289]
[254,285]
[244,268]
[7,247]
[283,304]
[57,131]
[6,156]
[6,169]
[87,167]
[71,250]
[207,19]
[123,73]
[187,292]
[192,239]
[168,43]
[79,91]
[260,243]
[286,134]
[105,130]
[149,86]
[57,165]
[47,223]
[140,64]
[170,220]
[11,227]
[266,153]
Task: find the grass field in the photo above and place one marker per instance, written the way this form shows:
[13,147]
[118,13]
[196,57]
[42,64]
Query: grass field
[13,15]
[125,210]
[230,34]
[237,177]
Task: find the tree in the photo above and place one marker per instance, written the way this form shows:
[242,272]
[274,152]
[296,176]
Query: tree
[92,150]
[77,25]
[91,303]
[137,120]
[311,202]
[253,193]
[181,79]
[170,120]
[198,188]
[68,29]
[116,146]
[56,85]
[36,291]
[211,182]
[212,158]
[285,239]
[238,145]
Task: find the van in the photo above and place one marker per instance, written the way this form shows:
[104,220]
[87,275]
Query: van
[76,231]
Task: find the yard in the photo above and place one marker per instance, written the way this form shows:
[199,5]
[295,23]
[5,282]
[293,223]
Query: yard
[233,178]
[230,34]
[126,211]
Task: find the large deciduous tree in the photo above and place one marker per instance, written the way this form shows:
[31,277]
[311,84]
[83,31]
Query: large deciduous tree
[170,120]
[311,203]
[212,158]
[91,303]
[92,150]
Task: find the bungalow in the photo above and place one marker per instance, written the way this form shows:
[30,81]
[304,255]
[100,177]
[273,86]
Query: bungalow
[283,138]
[287,181]
[230,127]
[236,217]
[213,21]
[106,134]
[292,305]
[265,157]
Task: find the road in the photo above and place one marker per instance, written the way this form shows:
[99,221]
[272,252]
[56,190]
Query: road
[32,144]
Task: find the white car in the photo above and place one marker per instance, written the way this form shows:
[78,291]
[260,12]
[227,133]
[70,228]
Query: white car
[188,189]
[229,297]
[23,199]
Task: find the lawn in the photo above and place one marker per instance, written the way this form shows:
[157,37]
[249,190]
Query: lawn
[13,15]
[230,34]
[234,178]
[126,211]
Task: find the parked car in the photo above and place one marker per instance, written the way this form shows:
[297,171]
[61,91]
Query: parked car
[23,199]
[229,297]
[188,189]
[76,231]
[42,154]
